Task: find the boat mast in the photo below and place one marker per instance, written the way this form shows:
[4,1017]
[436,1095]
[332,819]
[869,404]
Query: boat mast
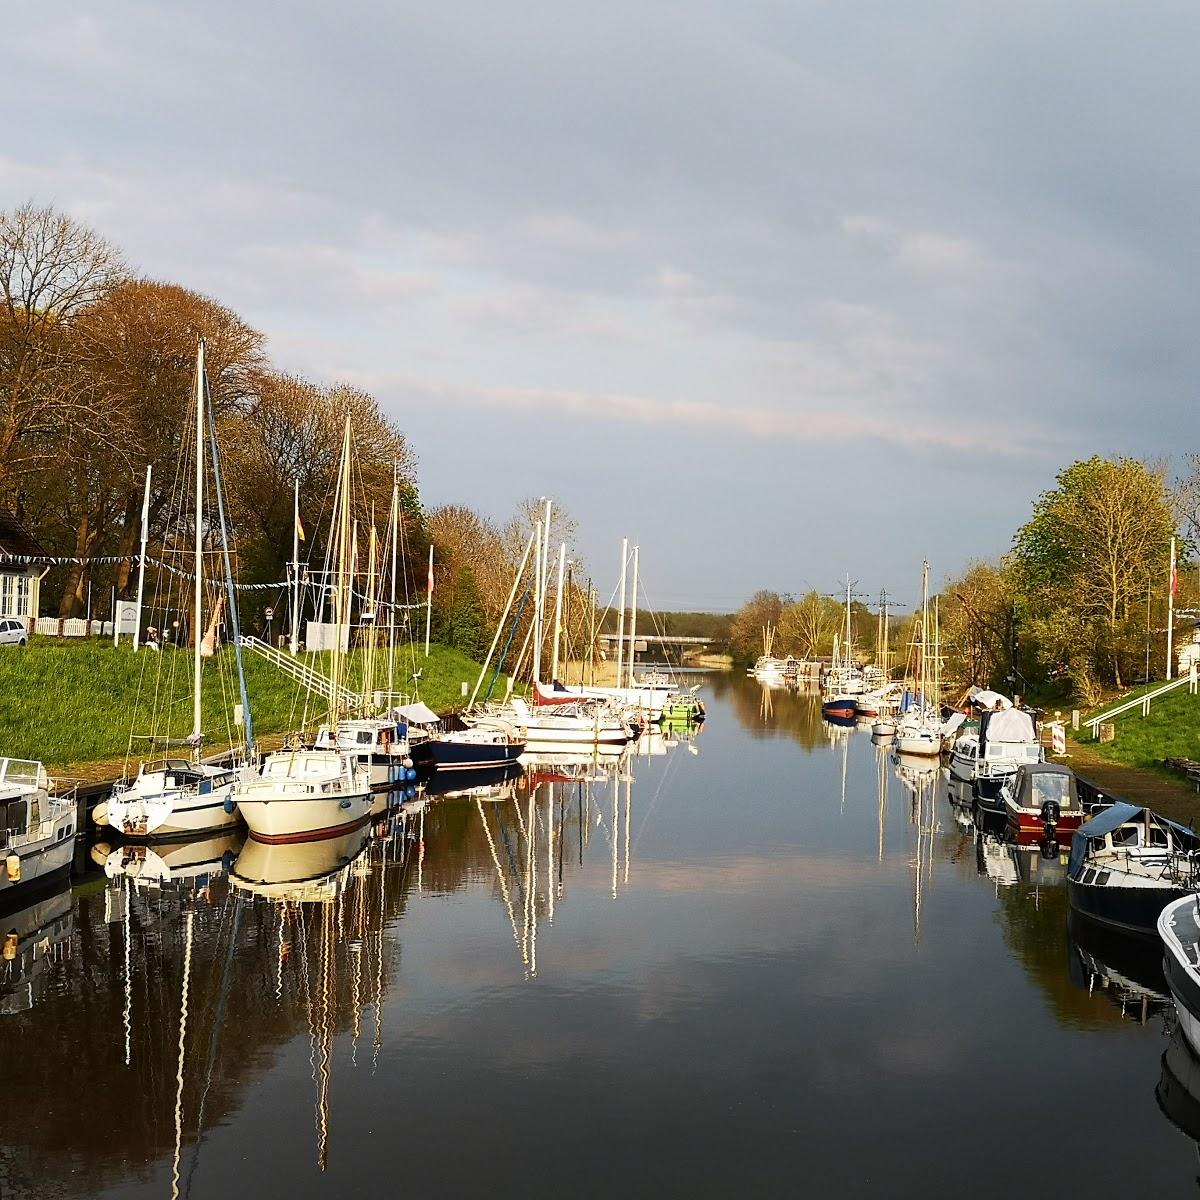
[633,617]
[558,609]
[198,616]
[295,642]
[343,567]
[536,631]
[395,533]
[923,665]
[231,594]
[621,610]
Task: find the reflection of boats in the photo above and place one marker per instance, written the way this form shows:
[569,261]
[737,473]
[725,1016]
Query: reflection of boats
[37,925]
[36,839]
[1128,970]
[1041,803]
[172,862]
[1178,1090]
[1179,929]
[1036,867]
[993,859]
[1128,863]
[484,783]
[313,871]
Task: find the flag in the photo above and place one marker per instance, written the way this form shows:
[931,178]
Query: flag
[429,580]
[1174,578]
[299,528]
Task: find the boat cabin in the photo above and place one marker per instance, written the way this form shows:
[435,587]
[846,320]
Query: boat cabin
[1128,837]
[1038,784]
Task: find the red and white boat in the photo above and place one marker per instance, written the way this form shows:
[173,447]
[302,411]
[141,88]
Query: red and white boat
[1041,803]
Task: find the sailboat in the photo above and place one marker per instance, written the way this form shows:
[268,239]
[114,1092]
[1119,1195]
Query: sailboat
[301,793]
[919,728]
[174,796]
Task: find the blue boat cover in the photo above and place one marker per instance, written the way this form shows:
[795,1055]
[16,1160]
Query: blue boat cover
[1113,818]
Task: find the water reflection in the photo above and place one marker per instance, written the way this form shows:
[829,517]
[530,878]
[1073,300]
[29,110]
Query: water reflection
[788,935]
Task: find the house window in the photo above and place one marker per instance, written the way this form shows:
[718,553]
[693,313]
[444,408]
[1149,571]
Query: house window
[22,607]
[8,588]
[14,595]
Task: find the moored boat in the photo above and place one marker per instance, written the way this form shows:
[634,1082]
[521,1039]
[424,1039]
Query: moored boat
[1041,804]
[1179,929]
[472,749]
[38,835]
[304,795]
[1127,864]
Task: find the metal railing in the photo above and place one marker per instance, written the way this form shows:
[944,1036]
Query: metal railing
[1143,702]
[314,681]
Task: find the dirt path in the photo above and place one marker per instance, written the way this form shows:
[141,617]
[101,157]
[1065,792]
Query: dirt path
[1178,800]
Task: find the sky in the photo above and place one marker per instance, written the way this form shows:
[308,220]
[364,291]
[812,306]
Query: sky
[779,289]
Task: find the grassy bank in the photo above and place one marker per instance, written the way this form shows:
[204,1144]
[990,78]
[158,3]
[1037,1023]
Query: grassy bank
[74,704]
[1132,764]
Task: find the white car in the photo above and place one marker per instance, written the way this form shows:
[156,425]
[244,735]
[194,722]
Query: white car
[13,632]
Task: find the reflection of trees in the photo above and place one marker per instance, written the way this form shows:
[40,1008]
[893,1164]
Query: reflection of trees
[763,711]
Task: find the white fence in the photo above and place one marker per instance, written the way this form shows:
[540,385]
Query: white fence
[72,627]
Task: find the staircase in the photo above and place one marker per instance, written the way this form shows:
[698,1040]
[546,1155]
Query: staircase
[313,681]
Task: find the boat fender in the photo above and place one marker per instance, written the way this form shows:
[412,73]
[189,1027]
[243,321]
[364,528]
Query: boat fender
[410,774]
[229,805]
[12,868]
[100,813]
[12,940]
[227,861]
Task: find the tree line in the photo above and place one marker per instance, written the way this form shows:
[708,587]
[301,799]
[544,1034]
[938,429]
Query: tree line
[1078,606]
[96,378]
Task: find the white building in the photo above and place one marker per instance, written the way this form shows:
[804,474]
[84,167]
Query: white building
[20,579]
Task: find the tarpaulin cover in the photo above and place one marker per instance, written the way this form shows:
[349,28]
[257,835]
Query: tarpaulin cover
[418,714]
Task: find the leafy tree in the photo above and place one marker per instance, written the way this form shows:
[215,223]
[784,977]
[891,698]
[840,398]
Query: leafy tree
[746,636]
[1081,565]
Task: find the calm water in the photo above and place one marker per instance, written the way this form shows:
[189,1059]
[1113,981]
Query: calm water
[759,963]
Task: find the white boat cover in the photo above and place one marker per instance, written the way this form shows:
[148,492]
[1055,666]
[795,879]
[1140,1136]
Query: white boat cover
[418,714]
[1011,725]
[989,699]
[954,721]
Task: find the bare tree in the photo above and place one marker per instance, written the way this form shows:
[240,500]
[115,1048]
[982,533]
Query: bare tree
[51,269]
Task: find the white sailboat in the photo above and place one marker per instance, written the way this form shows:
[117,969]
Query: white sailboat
[919,729]
[174,796]
[300,793]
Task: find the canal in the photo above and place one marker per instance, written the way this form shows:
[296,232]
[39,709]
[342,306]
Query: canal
[762,960]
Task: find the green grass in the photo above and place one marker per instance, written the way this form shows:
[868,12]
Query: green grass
[71,703]
[1172,730]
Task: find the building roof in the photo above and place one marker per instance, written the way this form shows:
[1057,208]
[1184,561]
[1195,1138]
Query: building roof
[16,539]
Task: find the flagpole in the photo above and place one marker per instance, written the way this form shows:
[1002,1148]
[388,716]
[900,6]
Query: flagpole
[429,600]
[295,646]
[1171,616]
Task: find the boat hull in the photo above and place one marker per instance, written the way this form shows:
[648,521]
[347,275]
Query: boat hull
[284,819]
[171,814]
[1128,909]
[38,862]
[918,746]
[445,755]
[1026,828]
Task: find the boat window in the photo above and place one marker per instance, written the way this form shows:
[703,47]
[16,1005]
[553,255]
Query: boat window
[15,820]
[1125,835]
[1102,876]
[1158,837]
[364,737]
[1051,786]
